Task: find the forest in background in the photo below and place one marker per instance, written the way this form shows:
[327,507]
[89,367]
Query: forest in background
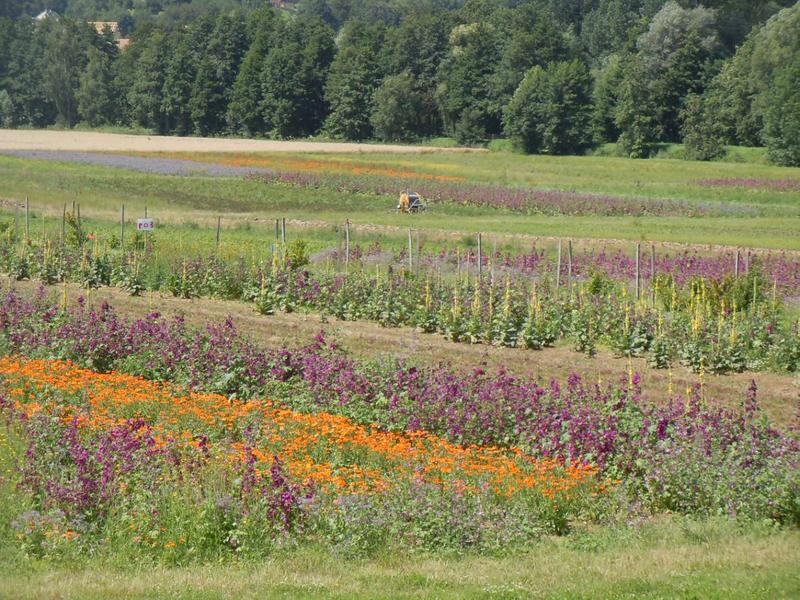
[554,77]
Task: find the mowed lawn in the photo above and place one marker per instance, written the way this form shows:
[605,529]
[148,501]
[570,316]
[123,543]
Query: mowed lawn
[759,217]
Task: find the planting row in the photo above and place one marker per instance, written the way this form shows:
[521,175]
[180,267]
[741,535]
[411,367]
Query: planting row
[526,200]
[680,454]
[709,324]
[115,461]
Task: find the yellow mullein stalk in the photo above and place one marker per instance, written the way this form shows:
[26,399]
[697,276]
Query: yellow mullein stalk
[476,301]
[507,298]
[627,318]
[456,303]
[669,383]
[674,298]
[428,297]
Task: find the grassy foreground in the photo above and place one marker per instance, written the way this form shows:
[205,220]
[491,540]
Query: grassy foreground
[675,558]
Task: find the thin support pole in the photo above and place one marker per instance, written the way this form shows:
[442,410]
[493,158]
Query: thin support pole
[122,228]
[638,271]
[558,266]
[419,255]
[283,233]
[27,220]
[347,245]
[410,250]
[653,274]
[64,224]
[569,266]
[736,265]
[480,255]
[78,219]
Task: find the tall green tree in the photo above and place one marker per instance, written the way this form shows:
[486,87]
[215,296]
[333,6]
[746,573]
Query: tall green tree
[145,95]
[355,74]
[550,112]
[397,108]
[245,114]
[216,74]
[95,93]
[293,79]
[66,45]
[782,116]
[465,87]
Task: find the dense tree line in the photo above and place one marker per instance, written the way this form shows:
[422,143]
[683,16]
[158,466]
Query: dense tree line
[555,77]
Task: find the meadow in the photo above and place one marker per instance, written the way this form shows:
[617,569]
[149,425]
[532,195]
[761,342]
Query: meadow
[406,415]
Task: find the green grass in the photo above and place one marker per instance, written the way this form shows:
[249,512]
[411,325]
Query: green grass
[675,558]
[198,199]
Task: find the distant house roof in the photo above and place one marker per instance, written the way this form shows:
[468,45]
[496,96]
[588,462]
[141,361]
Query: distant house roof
[46,14]
[101,25]
[123,43]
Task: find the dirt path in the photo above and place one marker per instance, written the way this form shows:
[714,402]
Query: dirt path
[86,141]
[779,394]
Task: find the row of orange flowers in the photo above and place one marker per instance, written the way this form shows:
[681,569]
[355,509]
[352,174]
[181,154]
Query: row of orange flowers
[330,450]
[305,165]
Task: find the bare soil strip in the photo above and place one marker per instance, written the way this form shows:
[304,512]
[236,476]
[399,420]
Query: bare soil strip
[779,394]
[86,141]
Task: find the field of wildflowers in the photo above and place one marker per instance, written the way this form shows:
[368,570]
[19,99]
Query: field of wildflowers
[152,436]
[714,313]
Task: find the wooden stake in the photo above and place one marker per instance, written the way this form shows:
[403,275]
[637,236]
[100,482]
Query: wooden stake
[346,245]
[480,255]
[558,266]
[284,231]
[736,265]
[569,266]
[410,251]
[653,274]
[27,220]
[64,224]
[418,251]
[638,271]
[122,228]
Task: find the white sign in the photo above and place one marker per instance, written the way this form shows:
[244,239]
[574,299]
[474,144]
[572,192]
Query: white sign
[145,224]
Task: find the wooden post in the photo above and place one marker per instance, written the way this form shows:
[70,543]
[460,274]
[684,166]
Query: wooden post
[480,255]
[736,265]
[638,271]
[418,251]
[27,220]
[219,224]
[558,266]
[569,266]
[122,228]
[283,234]
[16,222]
[410,251]
[653,274]
[346,245]
[145,211]
[277,232]
[64,224]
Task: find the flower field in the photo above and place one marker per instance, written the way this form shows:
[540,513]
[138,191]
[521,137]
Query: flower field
[123,428]
[714,314]
[96,442]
